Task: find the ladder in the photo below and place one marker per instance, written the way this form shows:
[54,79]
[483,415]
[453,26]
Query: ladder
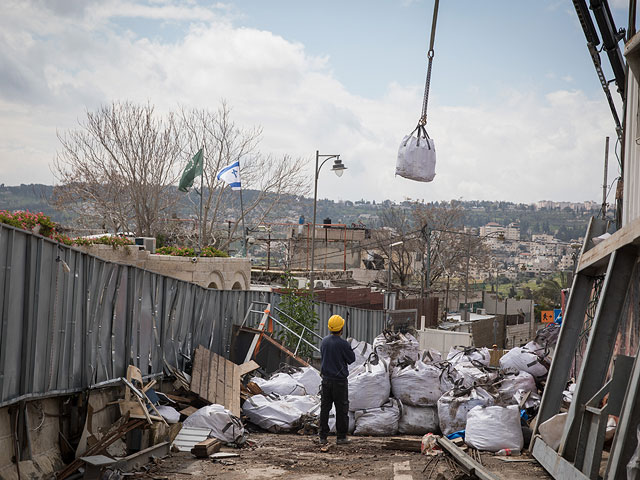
[605,274]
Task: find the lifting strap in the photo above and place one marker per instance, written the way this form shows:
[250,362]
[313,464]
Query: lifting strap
[425,100]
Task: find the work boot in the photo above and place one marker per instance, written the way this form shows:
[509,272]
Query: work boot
[322,441]
[343,441]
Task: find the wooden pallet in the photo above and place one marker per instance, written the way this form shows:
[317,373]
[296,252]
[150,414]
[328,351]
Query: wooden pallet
[216,379]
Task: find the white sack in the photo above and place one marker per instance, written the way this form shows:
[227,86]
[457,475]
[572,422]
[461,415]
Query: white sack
[472,375]
[396,347]
[416,159]
[272,413]
[449,378]
[332,421]
[307,404]
[533,400]
[469,354]
[378,421]
[170,414]
[310,379]
[281,384]
[417,385]
[224,426]
[369,385]
[362,350]
[454,405]
[494,428]
[523,360]
[430,356]
[512,382]
[418,420]
[551,430]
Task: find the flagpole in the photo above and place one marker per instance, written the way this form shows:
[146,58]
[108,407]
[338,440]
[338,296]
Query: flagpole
[201,194]
[244,230]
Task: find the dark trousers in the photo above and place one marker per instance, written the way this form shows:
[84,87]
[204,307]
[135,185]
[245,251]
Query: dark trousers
[334,392]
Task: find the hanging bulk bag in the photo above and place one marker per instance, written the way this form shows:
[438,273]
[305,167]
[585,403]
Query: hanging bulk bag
[417,156]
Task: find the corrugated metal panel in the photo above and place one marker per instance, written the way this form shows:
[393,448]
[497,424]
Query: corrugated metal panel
[65,331]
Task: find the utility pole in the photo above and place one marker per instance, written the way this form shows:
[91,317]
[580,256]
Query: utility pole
[604,182]
[466,280]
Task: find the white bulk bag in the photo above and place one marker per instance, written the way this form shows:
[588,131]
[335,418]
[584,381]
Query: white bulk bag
[417,158]
[332,421]
[362,350]
[170,414]
[513,381]
[369,385]
[418,420]
[307,404]
[417,385]
[472,375]
[378,421]
[494,428]
[281,384]
[449,377]
[430,356]
[469,354]
[224,426]
[524,360]
[454,405]
[396,347]
[310,379]
[272,413]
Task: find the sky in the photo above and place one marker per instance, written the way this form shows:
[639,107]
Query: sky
[516,109]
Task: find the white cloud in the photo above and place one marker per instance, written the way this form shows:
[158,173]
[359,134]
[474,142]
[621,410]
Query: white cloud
[524,148]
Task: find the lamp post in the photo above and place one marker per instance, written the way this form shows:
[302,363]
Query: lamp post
[338,168]
[390,257]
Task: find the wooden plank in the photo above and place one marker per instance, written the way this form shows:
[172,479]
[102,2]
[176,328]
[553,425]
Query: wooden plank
[597,257]
[206,447]
[205,380]
[235,396]
[220,381]
[188,411]
[466,461]
[196,372]
[247,367]
[213,379]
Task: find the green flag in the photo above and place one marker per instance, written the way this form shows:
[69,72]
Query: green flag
[191,171]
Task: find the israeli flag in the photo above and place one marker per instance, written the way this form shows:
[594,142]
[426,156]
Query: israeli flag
[231,175]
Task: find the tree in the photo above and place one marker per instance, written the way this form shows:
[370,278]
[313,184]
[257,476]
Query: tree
[118,168]
[300,310]
[223,143]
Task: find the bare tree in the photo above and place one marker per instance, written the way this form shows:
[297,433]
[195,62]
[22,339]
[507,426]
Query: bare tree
[223,143]
[118,168]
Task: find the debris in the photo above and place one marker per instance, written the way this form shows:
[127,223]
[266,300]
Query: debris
[395,347]
[188,411]
[247,367]
[471,466]
[221,455]
[403,443]
[187,438]
[206,447]
[222,424]
[216,379]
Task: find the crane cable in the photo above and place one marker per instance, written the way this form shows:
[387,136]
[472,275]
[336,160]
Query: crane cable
[423,118]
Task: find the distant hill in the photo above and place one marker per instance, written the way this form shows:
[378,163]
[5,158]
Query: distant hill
[565,223]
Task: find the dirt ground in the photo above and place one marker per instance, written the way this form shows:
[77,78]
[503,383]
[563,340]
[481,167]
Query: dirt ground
[290,456]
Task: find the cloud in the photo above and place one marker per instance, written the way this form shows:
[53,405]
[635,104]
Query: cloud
[62,61]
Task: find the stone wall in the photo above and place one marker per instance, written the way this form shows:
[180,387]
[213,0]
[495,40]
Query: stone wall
[209,272]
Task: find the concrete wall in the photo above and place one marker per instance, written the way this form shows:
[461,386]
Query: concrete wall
[209,272]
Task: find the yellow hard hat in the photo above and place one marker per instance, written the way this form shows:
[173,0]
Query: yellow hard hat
[336,322]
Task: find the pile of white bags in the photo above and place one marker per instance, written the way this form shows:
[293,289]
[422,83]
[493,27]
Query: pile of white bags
[396,347]
[469,354]
[418,420]
[369,385]
[430,356]
[274,413]
[417,385]
[472,375]
[417,158]
[379,421]
[224,426]
[332,421]
[524,360]
[362,350]
[454,406]
[493,428]
[310,379]
[281,384]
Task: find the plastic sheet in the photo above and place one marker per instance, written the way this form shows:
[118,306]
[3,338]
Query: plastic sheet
[224,425]
[494,428]
[379,421]
[417,385]
[418,420]
[454,406]
[369,385]
[551,430]
[416,159]
[170,414]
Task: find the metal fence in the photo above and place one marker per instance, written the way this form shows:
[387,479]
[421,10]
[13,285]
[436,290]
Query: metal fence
[70,321]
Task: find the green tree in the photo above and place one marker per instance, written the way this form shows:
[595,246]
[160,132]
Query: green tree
[299,307]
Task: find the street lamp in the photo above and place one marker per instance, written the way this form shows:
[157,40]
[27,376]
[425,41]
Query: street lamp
[338,168]
[390,257]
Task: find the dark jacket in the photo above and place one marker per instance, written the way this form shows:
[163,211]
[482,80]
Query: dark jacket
[336,356]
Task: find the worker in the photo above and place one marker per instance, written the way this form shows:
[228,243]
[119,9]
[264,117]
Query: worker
[336,356]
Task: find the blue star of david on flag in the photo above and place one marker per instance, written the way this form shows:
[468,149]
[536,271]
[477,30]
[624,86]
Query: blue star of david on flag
[231,175]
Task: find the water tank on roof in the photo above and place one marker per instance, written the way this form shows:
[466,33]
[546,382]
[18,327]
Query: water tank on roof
[327,222]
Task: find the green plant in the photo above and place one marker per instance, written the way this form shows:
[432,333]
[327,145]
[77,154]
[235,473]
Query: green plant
[29,221]
[298,305]
[113,241]
[207,251]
